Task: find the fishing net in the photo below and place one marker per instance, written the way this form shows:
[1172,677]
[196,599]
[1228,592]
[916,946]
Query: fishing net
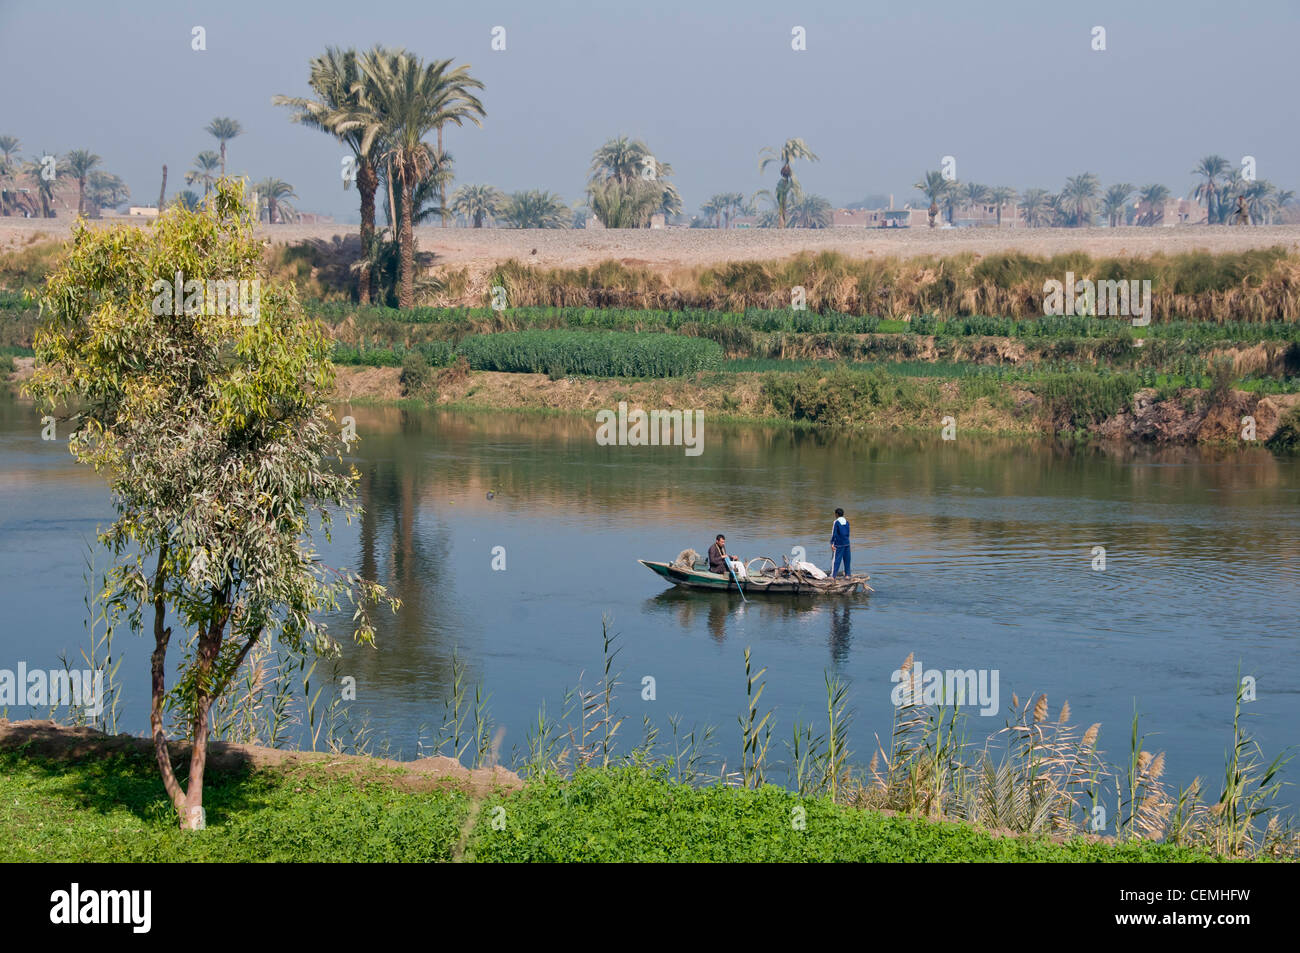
[686,559]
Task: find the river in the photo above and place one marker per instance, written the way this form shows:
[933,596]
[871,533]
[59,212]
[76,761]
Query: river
[981,554]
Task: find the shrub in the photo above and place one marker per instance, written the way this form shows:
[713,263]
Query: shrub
[415,374]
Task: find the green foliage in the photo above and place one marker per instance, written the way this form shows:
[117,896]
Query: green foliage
[416,375]
[112,809]
[631,814]
[212,432]
[591,354]
[1076,400]
[1287,435]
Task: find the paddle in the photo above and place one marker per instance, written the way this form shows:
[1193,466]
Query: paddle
[733,576]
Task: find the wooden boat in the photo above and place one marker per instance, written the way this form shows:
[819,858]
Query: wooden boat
[766,577]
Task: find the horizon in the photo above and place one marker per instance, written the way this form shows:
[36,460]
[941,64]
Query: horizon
[1142,107]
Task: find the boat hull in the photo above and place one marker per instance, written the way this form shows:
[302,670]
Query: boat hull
[761,584]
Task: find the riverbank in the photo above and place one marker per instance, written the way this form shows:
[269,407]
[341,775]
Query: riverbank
[860,402]
[840,400]
[77,795]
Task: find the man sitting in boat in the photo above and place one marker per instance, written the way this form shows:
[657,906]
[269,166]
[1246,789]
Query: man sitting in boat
[718,559]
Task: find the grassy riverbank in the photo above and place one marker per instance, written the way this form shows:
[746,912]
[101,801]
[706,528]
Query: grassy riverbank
[112,809]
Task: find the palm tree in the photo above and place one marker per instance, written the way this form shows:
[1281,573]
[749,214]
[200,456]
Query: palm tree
[1283,198]
[788,189]
[341,111]
[459,106]
[106,190]
[626,185]
[34,170]
[713,210]
[811,211]
[624,204]
[9,146]
[187,200]
[976,194]
[536,209]
[275,193]
[205,170]
[1078,196]
[1261,201]
[1153,197]
[733,204]
[1114,202]
[405,100]
[80,163]
[1209,169]
[477,203]
[936,188]
[1002,196]
[223,130]
[1035,208]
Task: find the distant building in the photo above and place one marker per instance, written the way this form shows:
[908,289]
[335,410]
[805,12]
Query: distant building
[1173,212]
[142,211]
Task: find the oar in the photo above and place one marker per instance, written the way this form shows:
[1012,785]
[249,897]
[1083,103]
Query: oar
[733,576]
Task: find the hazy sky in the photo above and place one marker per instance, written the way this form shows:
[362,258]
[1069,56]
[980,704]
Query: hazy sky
[1012,89]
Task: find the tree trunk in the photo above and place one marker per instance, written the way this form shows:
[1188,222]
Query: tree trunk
[367,185]
[158,669]
[192,818]
[81,197]
[223,157]
[162,192]
[406,294]
[442,187]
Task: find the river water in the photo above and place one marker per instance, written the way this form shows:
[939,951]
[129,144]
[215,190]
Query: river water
[981,554]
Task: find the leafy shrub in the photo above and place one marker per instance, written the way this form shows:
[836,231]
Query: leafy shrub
[415,374]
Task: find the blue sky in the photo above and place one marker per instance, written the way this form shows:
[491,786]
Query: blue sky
[1013,89]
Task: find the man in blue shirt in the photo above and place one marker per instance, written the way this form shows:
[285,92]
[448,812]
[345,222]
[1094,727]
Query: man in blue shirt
[840,545]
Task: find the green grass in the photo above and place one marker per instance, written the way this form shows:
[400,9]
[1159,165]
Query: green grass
[114,809]
[591,354]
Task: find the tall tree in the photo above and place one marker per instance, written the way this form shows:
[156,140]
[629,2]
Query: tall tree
[214,435]
[1079,196]
[937,189]
[409,99]
[788,189]
[1153,197]
[536,209]
[223,130]
[80,163]
[811,211]
[9,146]
[627,184]
[478,203]
[1115,201]
[341,110]
[1002,196]
[1210,169]
[43,176]
[276,194]
[1035,208]
[206,164]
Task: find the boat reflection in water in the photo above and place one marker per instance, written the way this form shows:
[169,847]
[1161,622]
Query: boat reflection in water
[724,614]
